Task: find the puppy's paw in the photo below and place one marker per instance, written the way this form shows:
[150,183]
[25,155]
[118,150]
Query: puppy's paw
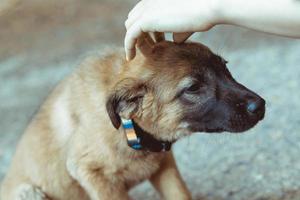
[30,192]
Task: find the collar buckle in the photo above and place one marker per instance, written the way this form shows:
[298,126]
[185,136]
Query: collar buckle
[138,139]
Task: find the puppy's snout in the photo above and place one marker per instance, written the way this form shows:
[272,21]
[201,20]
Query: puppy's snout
[256,107]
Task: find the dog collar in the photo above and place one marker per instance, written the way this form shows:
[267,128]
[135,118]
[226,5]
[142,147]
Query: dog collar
[139,139]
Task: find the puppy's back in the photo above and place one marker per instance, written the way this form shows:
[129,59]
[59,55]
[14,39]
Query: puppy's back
[40,158]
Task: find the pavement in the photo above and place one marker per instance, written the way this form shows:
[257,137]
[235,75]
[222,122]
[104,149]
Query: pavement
[43,41]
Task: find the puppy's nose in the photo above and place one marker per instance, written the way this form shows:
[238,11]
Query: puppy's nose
[256,107]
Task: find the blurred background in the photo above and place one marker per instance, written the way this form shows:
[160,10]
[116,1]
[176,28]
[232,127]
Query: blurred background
[43,41]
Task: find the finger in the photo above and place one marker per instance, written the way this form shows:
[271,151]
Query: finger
[134,16]
[130,40]
[181,37]
[136,7]
[133,19]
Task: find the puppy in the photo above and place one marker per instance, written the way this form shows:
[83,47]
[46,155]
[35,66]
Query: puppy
[80,146]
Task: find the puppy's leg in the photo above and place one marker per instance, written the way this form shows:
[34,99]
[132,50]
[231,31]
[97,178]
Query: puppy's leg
[168,181]
[29,192]
[97,186]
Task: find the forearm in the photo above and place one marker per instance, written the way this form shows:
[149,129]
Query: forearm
[281,17]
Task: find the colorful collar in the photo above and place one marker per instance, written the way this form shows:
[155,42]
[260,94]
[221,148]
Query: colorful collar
[139,139]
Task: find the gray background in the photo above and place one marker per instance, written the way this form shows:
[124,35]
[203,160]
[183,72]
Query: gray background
[42,42]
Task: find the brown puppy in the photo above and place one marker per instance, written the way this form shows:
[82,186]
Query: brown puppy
[75,147]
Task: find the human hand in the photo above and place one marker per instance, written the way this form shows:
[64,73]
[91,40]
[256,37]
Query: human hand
[177,16]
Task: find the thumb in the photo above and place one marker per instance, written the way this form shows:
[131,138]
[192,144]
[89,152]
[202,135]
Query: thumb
[181,37]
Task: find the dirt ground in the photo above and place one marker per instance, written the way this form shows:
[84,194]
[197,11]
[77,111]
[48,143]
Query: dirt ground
[42,41]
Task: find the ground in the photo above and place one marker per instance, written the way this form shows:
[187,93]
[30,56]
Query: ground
[43,42]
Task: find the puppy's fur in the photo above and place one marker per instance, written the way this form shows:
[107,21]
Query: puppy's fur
[75,148]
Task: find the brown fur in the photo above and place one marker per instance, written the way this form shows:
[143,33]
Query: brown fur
[72,151]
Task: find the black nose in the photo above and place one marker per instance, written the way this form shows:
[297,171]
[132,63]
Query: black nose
[256,107]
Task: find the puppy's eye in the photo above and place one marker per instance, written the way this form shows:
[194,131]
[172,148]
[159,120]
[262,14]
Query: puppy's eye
[193,88]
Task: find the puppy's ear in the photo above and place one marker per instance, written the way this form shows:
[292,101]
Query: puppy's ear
[159,36]
[125,100]
[145,44]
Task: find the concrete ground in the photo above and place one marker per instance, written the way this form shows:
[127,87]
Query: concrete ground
[43,42]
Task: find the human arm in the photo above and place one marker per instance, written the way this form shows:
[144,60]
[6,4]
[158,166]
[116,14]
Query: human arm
[281,17]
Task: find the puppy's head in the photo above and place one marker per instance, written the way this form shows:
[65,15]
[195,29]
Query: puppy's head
[179,89]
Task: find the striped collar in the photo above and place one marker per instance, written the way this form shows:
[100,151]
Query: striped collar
[139,139]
